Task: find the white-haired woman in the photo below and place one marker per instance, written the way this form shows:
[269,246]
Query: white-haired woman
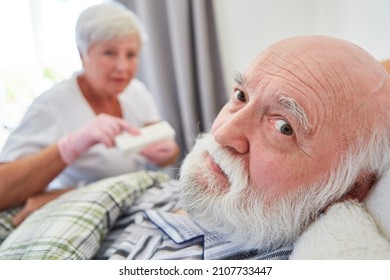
[66,138]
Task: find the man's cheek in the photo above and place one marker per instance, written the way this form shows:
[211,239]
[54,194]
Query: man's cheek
[269,175]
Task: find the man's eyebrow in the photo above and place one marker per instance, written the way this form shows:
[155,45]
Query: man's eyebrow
[293,107]
[240,79]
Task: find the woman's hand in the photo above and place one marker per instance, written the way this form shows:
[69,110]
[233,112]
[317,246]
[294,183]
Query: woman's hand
[102,129]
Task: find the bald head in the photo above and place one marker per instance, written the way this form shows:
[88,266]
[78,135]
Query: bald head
[347,85]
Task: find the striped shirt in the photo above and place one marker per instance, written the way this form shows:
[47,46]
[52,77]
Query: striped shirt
[150,229]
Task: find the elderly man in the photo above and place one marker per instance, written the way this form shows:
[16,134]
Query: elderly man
[306,126]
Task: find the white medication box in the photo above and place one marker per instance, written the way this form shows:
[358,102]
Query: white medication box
[130,144]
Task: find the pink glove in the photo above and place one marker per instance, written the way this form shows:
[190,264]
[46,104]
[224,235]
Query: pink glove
[161,153]
[102,129]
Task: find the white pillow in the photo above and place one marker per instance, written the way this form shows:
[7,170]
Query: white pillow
[350,230]
[346,231]
[378,204]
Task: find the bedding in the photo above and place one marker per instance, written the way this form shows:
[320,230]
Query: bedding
[351,230]
[88,223]
[6,226]
[74,225]
[345,231]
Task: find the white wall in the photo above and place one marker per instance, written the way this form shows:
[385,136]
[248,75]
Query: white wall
[246,27]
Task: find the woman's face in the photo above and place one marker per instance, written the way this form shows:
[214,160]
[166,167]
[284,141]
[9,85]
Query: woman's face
[109,66]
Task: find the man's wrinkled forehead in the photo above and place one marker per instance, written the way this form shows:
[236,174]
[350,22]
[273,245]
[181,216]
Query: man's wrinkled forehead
[280,70]
[331,62]
[329,69]
[293,64]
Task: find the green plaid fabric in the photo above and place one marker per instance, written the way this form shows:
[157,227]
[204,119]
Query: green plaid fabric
[74,225]
[6,226]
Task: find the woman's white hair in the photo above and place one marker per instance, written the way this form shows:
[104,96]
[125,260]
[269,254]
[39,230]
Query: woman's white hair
[106,21]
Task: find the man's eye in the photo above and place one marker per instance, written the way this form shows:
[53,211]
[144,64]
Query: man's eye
[240,95]
[284,127]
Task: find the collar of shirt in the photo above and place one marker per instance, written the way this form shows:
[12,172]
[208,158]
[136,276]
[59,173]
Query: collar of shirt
[181,229]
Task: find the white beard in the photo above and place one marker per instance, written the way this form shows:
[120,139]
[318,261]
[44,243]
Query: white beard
[246,214]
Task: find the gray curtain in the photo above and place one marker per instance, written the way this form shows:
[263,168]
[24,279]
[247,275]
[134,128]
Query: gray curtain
[180,63]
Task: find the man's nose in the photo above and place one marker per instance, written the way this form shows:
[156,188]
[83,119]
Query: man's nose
[234,132]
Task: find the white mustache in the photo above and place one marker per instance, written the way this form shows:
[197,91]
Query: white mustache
[231,165]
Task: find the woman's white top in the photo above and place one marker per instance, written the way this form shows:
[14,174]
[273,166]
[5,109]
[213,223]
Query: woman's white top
[63,109]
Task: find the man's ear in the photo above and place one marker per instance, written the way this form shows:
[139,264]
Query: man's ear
[361,187]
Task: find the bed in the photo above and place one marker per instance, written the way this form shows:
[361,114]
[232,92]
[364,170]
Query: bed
[85,223]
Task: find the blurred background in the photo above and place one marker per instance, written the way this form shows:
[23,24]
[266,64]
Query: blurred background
[194,47]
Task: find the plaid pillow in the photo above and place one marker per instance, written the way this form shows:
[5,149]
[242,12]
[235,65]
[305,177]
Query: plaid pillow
[74,225]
